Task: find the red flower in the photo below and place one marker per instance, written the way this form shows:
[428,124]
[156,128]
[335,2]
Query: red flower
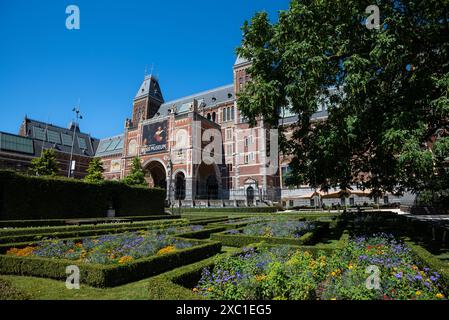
[369,247]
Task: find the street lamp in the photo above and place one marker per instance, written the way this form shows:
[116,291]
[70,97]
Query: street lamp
[78,116]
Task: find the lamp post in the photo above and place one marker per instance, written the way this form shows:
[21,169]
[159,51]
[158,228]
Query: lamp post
[78,116]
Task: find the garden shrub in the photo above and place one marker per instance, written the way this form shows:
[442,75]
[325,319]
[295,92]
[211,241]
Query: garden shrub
[27,198]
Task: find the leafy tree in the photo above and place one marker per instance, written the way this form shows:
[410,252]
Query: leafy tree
[137,176]
[45,165]
[95,171]
[386,91]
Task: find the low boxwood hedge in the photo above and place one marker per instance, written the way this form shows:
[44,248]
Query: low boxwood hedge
[428,259]
[240,240]
[63,222]
[105,226]
[105,275]
[200,234]
[231,209]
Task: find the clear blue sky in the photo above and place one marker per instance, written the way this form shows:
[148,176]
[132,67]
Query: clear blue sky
[45,68]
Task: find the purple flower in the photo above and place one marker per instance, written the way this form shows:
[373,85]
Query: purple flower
[398,275]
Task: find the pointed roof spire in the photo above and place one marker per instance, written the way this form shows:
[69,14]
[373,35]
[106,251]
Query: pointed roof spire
[150,87]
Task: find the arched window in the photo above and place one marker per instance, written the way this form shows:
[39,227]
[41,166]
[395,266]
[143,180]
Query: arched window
[208,116]
[213,116]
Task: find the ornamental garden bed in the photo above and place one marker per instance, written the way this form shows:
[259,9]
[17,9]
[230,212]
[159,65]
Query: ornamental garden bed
[37,234]
[107,260]
[284,272]
[240,222]
[279,231]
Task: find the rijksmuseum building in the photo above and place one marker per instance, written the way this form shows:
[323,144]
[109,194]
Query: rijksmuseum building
[170,138]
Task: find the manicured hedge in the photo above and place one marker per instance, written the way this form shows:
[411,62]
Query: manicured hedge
[233,209]
[201,234]
[28,198]
[107,276]
[63,222]
[106,226]
[244,240]
[429,260]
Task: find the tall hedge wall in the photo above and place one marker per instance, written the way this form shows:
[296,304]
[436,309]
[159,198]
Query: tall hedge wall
[26,197]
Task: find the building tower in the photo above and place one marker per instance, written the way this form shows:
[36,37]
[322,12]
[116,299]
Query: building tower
[147,100]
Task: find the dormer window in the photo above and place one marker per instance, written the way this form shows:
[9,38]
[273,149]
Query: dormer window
[214,99]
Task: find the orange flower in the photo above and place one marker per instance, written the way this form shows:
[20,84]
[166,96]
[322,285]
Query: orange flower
[24,252]
[125,259]
[166,250]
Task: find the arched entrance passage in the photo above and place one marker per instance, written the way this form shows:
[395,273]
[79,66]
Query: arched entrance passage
[180,186]
[156,175]
[250,195]
[207,182]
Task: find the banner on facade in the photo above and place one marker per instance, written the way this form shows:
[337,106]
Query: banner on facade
[154,137]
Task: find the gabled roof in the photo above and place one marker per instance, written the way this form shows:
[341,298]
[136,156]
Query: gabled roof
[150,87]
[47,135]
[207,99]
[110,146]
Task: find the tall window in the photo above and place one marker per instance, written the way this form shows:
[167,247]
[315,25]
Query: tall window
[229,134]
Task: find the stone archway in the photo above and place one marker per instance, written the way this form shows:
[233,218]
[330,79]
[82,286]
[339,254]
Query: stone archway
[208,181]
[180,186]
[156,175]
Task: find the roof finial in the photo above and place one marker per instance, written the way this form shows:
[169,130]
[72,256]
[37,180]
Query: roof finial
[152,67]
[145,75]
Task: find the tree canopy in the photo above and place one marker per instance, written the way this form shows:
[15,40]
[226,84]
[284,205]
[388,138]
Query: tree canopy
[136,177]
[95,171]
[386,91]
[45,165]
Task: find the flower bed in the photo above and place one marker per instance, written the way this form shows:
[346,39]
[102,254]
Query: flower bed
[107,260]
[281,231]
[108,249]
[286,273]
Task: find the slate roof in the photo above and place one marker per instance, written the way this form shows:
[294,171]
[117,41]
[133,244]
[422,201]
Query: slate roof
[110,146]
[46,136]
[150,86]
[208,99]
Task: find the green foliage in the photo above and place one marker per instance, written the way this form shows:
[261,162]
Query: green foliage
[136,177]
[386,91]
[94,171]
[27,197]
[229,209]
[45,165]
[9,292]
[107,276]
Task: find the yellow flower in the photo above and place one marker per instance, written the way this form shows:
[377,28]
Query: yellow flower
[195,289]
[333,274]
[210,289]
[333,298]
[350,267]
[418,293]
[166,250]
[261,277]
[439,295]
[125,259]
